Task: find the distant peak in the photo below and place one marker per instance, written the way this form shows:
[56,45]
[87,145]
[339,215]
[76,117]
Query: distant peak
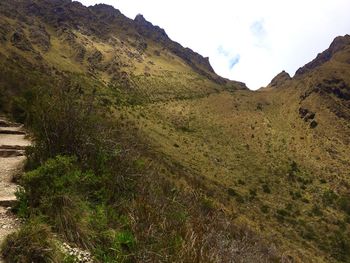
[140,18]
[279,80]
[338,44]
[283,74]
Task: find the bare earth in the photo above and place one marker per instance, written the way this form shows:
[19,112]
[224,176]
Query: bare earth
[12,144]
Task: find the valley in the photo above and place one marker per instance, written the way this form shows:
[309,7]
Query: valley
[142,153]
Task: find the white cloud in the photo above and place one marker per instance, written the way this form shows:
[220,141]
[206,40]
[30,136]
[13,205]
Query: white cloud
[266,36]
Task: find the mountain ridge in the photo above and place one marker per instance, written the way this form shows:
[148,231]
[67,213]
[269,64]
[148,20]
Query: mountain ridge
[106,23]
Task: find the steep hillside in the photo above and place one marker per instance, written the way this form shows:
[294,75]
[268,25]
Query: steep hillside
[126,56]
[143,154]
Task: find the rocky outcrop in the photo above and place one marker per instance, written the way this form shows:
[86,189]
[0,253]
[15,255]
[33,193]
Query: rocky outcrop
[279,80]
[309,117]
[20,41]
[338,44]
[197,62]
[40,37]
[70,38]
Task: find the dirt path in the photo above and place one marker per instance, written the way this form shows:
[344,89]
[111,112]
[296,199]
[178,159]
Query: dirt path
[12,144]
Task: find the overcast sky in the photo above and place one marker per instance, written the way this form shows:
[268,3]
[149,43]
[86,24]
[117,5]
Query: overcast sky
[247,40]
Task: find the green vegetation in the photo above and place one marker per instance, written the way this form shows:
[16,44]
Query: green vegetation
[33,243]
[141,154]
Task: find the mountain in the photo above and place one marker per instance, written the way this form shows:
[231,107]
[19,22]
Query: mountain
[279,80]
[144,154]
[339,45]
[101,43]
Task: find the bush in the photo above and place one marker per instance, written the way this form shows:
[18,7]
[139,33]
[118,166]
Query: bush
[33,243]
[53,190]
[340,246]
[266,189]
[344,204]
[329,197]
[265,209]
[308,232]
[232,192]
[316,210]
[56,177]
[22,206]
[65,121]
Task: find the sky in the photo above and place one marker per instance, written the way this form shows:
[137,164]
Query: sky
[247,40]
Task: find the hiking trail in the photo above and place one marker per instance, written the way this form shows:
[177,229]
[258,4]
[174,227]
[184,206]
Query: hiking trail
[13,141]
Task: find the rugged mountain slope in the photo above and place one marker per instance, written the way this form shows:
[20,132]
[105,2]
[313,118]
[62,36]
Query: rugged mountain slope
[99,42]
[218,173]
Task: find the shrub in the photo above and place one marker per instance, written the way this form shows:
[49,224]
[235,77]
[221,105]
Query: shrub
[308,232]
[232,192]
[329,197]
[22,206]
[265,209]
[340,246]
[344,203]
[252,194]
[241,182]
[53,190]
[33,243]
[295,195]
[323,181]
[316,210]
[65,121]
[56,177]
[266,189]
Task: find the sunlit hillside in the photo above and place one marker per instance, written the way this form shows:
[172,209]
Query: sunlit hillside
[142,153]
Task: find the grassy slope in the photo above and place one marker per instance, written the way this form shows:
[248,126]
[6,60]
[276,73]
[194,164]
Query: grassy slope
[247,142]
[249,152]
[154,74]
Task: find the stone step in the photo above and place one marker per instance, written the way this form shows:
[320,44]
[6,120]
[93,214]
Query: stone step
[4,123]
[5,153]
[12,132]
[12,147]
[8,202]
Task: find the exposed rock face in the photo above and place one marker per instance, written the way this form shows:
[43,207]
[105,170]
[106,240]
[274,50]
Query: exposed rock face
[338,44]
[40,37]
[308,116]
[158,34]
[20,41]
[334,92]
[279,80]
[148,30]
[336,87]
